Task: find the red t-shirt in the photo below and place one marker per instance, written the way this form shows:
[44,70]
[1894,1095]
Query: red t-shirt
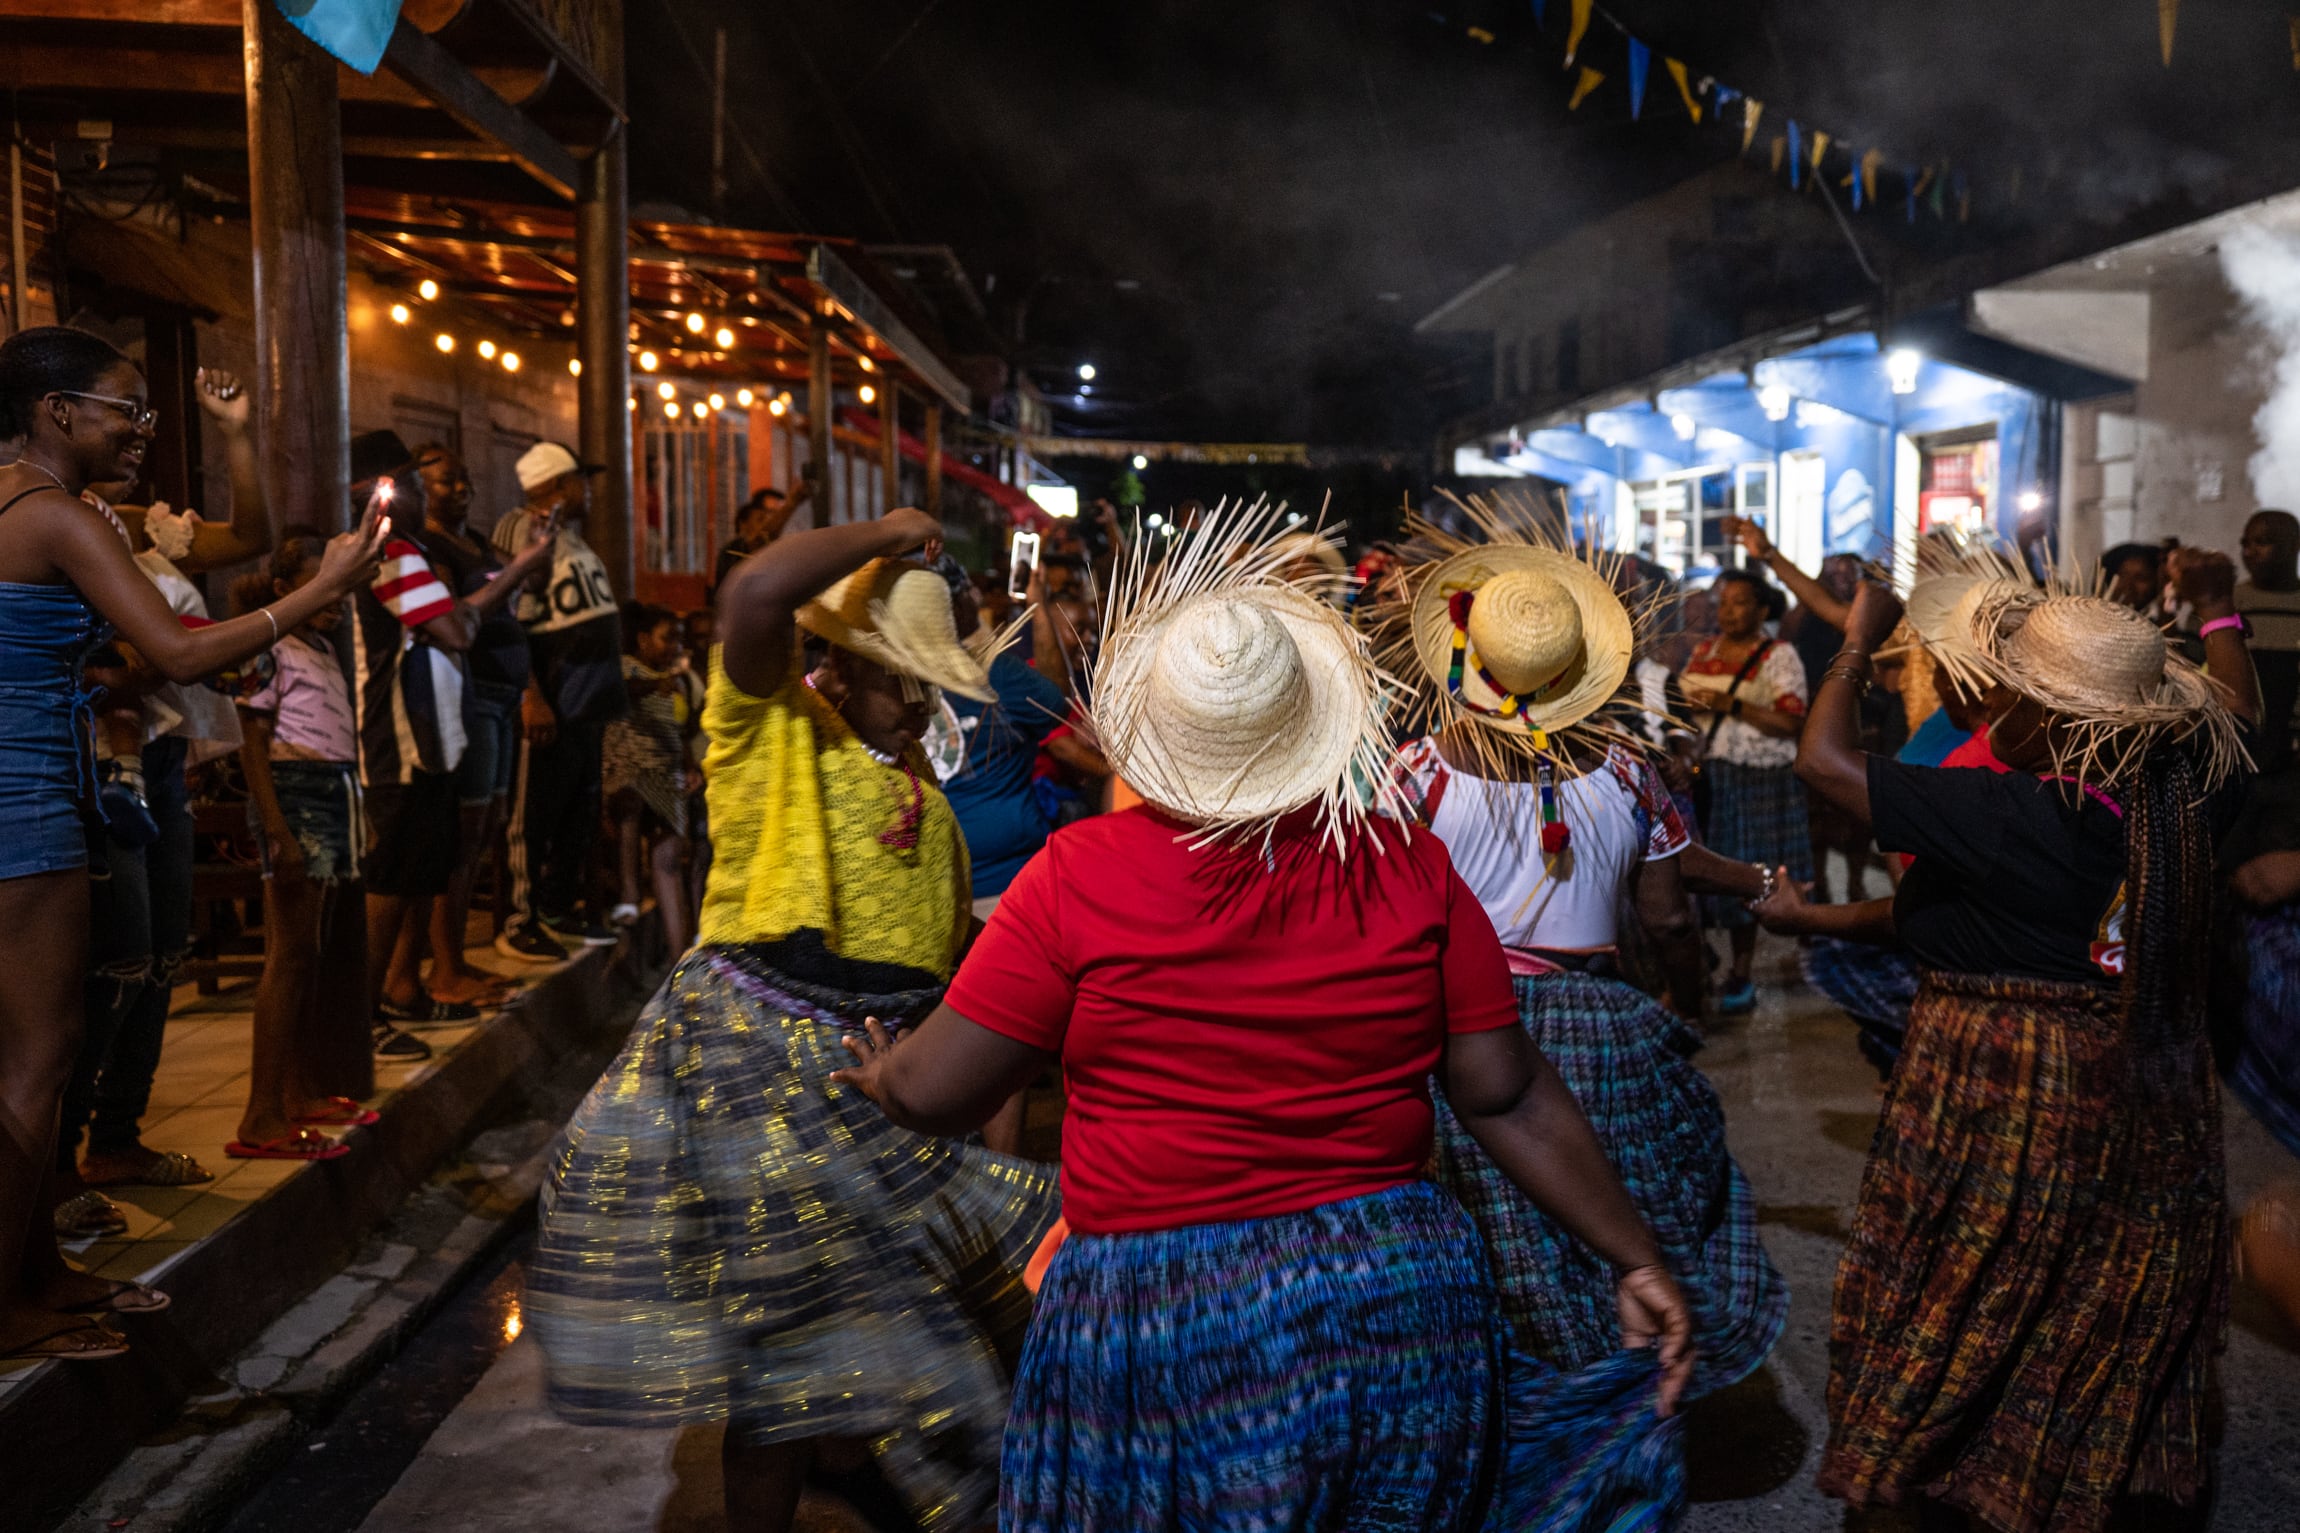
[1238,1038]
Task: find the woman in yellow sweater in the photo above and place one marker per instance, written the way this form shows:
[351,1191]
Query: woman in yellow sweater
[725,1233]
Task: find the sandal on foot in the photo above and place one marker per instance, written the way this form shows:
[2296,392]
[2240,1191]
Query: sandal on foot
[78,1341]
[89,1216]
[126,1298]
[341,1112]
[427,1011]
[303,1144]
[167,1168]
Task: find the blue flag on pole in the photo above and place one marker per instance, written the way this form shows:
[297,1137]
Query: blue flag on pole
[1796,156]
[1640,60]
[355,31]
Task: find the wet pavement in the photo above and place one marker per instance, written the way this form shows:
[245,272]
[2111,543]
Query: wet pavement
[454,1433]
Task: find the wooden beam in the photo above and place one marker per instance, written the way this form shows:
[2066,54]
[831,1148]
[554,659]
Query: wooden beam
[303,347]
[423,63]
[429,15]
[602,318]
[890,443]
[42,68]
[845,286]
[820,408]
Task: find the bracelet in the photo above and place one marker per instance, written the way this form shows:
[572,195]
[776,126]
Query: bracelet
[1766,874]
[275,622]
[1861,683]
[2234,620]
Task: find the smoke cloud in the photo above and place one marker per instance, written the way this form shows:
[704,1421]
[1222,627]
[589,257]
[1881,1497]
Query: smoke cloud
[2263,267]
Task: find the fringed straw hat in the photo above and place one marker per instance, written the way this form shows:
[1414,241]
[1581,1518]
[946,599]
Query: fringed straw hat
[1228,694]
[899,615]
[1514,632]
[2103,671]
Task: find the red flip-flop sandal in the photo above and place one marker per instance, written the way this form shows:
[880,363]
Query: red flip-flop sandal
[303,1144]
[342,1112]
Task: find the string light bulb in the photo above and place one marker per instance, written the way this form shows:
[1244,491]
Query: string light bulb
[427,290]
[575,366]
[444,341]
[666,390]
[868,365]
[632,404]
[671,408]
[695,323]
[745,398]
[725,338]
[1141,463]
[866,393]
[401,313]
[701,409]
[718,401]
[776,407]
[648,361]
[487,350]
[510,361]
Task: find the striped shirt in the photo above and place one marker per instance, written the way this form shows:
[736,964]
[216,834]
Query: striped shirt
[410,693]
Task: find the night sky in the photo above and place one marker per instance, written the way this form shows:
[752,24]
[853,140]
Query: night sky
[1236,210]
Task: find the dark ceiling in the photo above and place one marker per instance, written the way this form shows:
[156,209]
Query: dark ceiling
[1236,210]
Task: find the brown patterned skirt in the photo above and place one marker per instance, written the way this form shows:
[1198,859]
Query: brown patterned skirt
[2030,1307]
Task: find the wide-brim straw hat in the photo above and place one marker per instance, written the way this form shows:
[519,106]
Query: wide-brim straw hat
[899,616]
[1229,692]
[2108,677]
[1510,630]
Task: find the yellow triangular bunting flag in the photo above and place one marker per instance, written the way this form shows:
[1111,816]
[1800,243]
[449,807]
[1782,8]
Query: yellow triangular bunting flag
[1590,80]
[1577,31]
[1869,164]
[1751,110]
[1820,147]
[2167,21]
[1780,148]
[1676,68]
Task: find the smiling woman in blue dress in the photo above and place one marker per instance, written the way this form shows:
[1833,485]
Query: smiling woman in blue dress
[76,411]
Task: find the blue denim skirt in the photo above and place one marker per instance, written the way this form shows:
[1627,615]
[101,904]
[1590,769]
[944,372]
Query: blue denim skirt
[320,800]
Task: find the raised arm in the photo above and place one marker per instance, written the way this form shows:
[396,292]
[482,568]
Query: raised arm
[760,601]
[248,535]
[1515,1105]
[2207,582]
[1830,760]
[86,550]
[1810,593]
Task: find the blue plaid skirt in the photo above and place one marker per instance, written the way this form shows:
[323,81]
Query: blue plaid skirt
[1628,1062]
[1337,1368]
[1875,986]
[2266,1069]
[1756,814]
[726,1235]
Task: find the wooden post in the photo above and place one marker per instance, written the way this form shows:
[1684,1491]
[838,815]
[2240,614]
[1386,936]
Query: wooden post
[602,333]
[171,357]
[933,505]
[890,443]
[295,215]
[820,407]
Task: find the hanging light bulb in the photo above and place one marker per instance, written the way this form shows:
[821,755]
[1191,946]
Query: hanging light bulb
[666,390]
[427,290]
[575,366]
[868,365]
[1085,372]
[745,398]
[866,393]
[1140,463]
[718,401]
[701,409]
[632,403]
[725,338]
[401,313]
[487,350]
[671,408]
[648,361]
[776,407]
[511,361]
[443,341]
[695,323]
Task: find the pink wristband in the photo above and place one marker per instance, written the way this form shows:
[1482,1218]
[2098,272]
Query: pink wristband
[2233,620]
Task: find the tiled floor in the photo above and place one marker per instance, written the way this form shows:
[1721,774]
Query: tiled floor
[196,1103]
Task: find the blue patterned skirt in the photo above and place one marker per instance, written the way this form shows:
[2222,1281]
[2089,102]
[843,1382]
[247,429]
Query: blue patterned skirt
[726,1235]
[1341,1367]
[1628,1062]
[2266,1069]
[1875,986]
[1756,814]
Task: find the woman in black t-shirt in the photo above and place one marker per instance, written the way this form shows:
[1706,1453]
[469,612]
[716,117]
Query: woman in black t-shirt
[2032,1298]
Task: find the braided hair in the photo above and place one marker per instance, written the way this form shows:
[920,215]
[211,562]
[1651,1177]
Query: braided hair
[44,360]
[2167,918]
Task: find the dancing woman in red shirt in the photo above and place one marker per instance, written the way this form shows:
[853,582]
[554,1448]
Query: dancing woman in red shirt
[1265,1316]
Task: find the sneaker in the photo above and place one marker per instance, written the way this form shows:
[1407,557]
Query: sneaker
[394,1047]
[577,928]
[625,914]
[529,943]
[1737,1000]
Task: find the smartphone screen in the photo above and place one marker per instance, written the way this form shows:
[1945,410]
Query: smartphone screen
[1021,563]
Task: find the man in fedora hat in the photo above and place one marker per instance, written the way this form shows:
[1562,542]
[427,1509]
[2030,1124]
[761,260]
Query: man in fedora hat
[576,638]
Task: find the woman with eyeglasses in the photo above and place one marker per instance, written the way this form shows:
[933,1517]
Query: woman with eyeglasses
[74,413]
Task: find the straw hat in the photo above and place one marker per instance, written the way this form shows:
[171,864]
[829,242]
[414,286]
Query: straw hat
[1320,557]
[1229,694]
[899,615]
[1515,633]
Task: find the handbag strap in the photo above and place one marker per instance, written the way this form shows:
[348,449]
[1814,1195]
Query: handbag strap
[1748,669]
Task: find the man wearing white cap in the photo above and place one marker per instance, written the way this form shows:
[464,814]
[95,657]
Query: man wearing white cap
[576,639]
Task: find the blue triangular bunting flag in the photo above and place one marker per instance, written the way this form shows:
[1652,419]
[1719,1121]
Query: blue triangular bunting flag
[1796,155]
[1640,60]
[355,31]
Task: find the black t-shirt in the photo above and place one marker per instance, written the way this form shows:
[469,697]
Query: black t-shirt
[498,655]
[2013,875]
[734,553]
